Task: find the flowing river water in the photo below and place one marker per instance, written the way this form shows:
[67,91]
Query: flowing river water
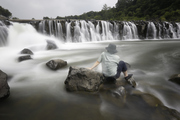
[39,93]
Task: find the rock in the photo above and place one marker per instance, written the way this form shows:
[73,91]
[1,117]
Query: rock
[51,45]
[151,100]
[56,64]
[22,58]
[175,78]
[82,79]
[119,92]
[26,51]
[4,87]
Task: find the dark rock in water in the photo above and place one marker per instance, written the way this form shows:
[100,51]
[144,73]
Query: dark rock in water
[22,58]
[175,78]
[119,92]
[26,51]
[82,79]
[4,87]
[51,45]
[56,64]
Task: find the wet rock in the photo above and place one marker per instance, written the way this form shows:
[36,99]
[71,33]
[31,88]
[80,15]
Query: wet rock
[82,79]
[51,45]
[4,87]
[26,51]
[22,58]
[165,113]
[119,92]
[148,98]
[158,110]
[175,78]
[142,28]
[56,64]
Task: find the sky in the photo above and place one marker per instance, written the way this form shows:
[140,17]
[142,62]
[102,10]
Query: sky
[28,9]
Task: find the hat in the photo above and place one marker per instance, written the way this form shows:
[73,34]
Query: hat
[111,48]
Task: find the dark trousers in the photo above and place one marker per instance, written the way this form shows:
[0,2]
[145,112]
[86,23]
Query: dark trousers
[121,68]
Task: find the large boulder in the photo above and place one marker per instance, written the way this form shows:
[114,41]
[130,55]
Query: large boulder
[82,79]
[56,64]
[175,78]
[4,87]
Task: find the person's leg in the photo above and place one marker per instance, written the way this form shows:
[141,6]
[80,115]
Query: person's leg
[125,73]
[121,68]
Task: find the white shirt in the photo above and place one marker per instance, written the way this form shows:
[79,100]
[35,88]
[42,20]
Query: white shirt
[109,63]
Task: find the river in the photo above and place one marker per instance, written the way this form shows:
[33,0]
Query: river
[39,93]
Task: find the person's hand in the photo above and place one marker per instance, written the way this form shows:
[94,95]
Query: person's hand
[89,68]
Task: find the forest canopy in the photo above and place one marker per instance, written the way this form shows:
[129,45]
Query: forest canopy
[165,10]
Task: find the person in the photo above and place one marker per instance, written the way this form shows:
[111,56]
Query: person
[112,66]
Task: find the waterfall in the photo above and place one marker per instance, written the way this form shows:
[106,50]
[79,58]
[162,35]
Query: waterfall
[130,31]
[85,35]
[59,31]
[87,31]
[68,32]
[106,33]
[42,27]
[116,35]
[151,31]
[178,30]
[172,31]
[3,34]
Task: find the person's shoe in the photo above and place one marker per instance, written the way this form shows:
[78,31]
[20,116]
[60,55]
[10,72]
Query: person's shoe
[130,80]
[128,77]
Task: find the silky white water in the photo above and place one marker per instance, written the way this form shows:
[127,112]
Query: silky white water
[35,87]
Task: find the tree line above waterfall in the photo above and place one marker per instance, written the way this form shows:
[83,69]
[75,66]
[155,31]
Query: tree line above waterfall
[165,10]
[125,10]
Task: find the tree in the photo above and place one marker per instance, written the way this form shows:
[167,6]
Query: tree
[105,7]
[5,12]
[45,18]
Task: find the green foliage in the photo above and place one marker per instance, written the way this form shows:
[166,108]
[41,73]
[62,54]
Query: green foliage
[5,12]
[45,18]
[15,18]
[165,10]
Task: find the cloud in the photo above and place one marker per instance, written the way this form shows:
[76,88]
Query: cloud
[28,9]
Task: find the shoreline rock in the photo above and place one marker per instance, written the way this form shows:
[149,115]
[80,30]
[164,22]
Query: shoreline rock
[4,87]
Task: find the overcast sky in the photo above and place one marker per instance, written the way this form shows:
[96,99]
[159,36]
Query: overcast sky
[28,9]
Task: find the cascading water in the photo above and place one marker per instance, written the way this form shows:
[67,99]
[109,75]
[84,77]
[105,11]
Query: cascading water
[151,31]
[68,32]
[178,30]
[85,31]
[130,31]
[3,34]
[106,32]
